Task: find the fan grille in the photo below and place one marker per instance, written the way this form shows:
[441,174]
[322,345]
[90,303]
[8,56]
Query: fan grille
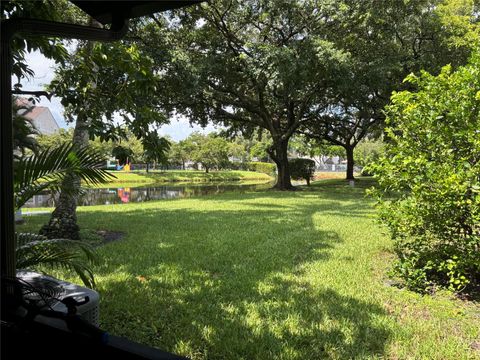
[41,290]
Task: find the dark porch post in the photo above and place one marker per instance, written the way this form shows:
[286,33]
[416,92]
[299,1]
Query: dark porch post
[7,223]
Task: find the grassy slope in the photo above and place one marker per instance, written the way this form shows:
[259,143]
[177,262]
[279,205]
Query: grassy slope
[143,178]
[323,175]
[268,275]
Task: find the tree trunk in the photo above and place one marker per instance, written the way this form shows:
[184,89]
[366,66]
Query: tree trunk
[280,157]
[147,167]
[350,162]
[63,222]
[183,165]
[206,170]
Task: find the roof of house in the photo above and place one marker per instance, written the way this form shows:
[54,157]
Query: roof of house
[33,112]
[45,124]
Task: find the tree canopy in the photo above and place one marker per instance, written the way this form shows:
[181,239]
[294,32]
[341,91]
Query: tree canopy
[210,151]
[325,67]
[249,66]
[105,83]
[386,41]
[52,48]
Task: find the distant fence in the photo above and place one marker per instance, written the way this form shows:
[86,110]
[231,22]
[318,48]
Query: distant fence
[336,168]
[157,167]
[322,167]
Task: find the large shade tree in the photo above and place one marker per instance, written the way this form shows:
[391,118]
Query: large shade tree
[155,149]
[249,65]
[386,41]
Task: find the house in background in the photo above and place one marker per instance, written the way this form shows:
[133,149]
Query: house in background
[40,116]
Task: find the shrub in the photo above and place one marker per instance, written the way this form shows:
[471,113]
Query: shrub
[302,169]
[262,167]
[367,153]
[122,154]
[429,179]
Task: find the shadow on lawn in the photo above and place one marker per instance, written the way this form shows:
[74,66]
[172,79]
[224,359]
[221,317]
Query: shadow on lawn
[291,320]
[196,291]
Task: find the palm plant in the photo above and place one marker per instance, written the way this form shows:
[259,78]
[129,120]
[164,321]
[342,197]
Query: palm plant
[23,132]
[48,170]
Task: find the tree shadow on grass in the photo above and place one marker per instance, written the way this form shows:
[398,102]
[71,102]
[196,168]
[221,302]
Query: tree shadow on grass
[289,320]
[229,284]
[326,205]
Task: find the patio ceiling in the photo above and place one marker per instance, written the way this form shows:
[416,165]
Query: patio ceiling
[106,11]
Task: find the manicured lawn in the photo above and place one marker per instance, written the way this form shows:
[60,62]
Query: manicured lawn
[265,275]
[324,175]
[142,178]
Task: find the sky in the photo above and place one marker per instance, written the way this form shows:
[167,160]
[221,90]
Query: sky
[178,129]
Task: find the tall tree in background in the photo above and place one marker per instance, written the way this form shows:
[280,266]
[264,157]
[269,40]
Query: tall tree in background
[250,65]
[211,151]
[387,41]
[344,126]
[179,153]
[155,149]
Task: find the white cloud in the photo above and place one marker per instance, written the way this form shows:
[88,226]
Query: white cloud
[179,128]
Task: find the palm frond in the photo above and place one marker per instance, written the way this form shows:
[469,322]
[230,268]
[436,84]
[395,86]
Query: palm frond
[51,167]
[25,194]
[25,238]
[54,169]
[33,250]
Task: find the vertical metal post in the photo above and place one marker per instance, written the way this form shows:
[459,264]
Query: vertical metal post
[7,223]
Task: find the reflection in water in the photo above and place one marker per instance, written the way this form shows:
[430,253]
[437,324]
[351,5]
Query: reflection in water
[141,194]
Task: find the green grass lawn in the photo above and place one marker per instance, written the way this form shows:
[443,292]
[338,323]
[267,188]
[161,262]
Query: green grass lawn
[268,275]
[142,178]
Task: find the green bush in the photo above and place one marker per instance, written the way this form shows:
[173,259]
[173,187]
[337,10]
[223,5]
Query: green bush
[367,153]
[302,169]
[262,167]
[429,179]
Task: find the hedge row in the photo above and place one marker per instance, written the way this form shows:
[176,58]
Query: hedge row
[302,169]
[262,167]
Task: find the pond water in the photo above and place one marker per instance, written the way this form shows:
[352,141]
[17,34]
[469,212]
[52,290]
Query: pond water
[141,194]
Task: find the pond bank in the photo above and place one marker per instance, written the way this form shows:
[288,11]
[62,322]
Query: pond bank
[142,178]
[135,194]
